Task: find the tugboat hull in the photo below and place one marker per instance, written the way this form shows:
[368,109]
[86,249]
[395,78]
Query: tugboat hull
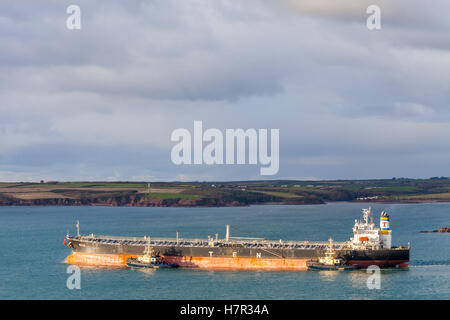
[321,267]
[137,264]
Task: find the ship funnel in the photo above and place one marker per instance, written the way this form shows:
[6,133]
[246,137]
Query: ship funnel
[385,232]
[384,221]
[227,234]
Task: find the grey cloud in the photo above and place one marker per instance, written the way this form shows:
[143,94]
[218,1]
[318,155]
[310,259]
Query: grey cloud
[344,98]
[401,13]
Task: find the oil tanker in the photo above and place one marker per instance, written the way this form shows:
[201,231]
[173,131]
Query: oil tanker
[369,245]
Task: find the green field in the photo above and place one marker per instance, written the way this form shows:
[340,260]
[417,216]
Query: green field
[277,194]
[173,196]
[74,185]
[432,196]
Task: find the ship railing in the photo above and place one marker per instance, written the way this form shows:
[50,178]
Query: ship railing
[233,242]
[248,243]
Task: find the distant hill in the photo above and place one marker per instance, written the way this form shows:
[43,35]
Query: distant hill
[216,193]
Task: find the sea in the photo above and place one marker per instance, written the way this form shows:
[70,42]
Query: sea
[32,254]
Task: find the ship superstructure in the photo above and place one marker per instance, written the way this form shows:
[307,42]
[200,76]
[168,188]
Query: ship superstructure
[368,246]
[367,235]
[330,255]
[149,254]
[149,259]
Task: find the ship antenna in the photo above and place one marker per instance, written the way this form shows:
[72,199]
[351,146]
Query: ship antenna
[78,228]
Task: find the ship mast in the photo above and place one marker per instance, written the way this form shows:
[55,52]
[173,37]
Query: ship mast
[148,249]
[330,250]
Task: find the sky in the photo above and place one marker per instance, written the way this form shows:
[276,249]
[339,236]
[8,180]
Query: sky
[101,102]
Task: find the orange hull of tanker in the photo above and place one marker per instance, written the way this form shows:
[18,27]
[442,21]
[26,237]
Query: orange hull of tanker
[106,260]
[236,263]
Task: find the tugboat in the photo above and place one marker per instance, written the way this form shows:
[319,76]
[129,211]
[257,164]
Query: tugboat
[150,260]
[330,262]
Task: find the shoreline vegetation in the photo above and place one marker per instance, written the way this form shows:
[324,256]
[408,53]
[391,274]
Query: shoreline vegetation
[223,194]
[441,230]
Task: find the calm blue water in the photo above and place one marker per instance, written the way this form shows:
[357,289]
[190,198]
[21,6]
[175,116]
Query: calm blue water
[32,252]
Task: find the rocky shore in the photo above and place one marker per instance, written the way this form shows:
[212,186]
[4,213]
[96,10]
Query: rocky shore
[441,230]
[135,200]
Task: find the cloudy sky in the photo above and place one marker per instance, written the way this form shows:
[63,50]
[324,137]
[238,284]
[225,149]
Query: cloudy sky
[100,103]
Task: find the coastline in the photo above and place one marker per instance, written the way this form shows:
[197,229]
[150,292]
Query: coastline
[223,194]
[147,205]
